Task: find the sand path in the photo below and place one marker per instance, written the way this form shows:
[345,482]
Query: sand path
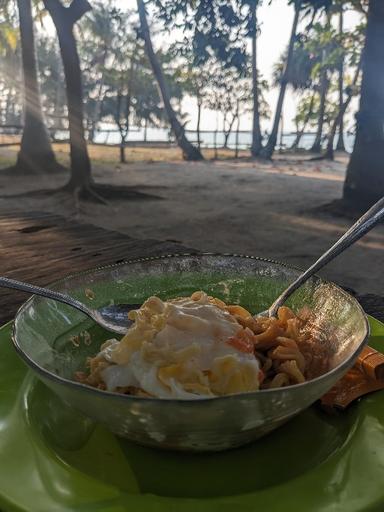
[243,207]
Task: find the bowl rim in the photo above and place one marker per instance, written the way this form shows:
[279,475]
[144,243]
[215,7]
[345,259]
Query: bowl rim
[235,396]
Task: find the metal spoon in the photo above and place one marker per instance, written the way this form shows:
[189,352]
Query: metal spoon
[115,318]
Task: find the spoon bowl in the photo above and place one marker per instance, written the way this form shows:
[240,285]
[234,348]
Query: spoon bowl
[115,317]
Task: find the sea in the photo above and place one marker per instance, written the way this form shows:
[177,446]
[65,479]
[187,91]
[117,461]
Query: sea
[108,135]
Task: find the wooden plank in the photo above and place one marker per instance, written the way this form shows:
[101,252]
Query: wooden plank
[39,248]
[119,251]
[14,218]
[51,240]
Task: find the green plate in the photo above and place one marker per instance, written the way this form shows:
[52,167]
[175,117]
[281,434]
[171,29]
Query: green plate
[52,459]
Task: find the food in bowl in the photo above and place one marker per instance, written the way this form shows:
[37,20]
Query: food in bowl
[337,327]
[200,347]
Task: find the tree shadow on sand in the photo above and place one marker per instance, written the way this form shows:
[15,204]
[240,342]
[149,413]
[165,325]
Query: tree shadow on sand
[98,194]
[340,208]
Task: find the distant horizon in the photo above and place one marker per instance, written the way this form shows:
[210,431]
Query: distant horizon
[136,134]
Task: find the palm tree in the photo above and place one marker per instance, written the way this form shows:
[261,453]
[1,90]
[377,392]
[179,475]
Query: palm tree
[35,153]
[325,40]
[323,90]
[256,130]
[190,152]
[304,114]
[340,146]
[81,183]
[364,182]
[267,151]
[300,79]
[351,92]
[64,19]
[99,30]
[195,80]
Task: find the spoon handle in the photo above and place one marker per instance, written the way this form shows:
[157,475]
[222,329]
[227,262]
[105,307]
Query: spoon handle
[365,223]
[44,292]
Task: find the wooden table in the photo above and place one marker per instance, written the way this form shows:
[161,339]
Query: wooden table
[40,248]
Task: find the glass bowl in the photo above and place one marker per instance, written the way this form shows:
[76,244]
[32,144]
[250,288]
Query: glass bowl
[55,339]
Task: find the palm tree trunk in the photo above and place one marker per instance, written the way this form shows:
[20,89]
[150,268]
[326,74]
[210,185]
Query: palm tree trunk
[270,147]
[58,102]
[256,130]
[122,148]
[124,129]
[228,131]
[340,146]
[95,116]
[199,105]
[16,116]
[64,19]
[190,152]
[145,129]
[329,154]
[316,147]
[117,117]
[324,85]
[35,153]
[237,136]
[281,133]
[8,106]
[364,182]
[300,133]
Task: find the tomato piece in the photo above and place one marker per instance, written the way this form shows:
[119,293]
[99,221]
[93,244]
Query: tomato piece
[243,342]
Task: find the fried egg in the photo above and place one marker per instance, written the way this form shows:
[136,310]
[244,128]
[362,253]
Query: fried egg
[181,349]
